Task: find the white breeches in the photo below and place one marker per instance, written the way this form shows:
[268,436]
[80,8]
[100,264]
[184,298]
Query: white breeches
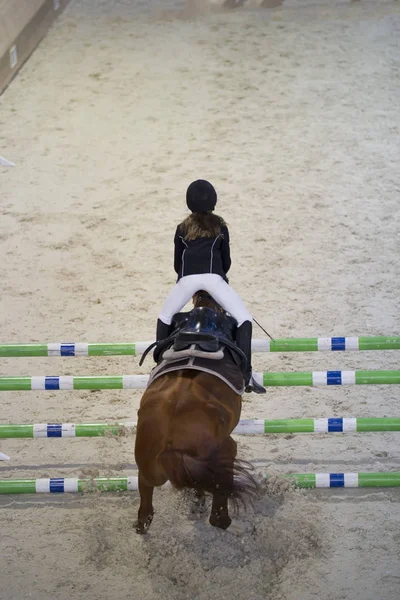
[213,284]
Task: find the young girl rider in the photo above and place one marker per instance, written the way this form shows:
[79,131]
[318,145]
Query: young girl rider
[202,260]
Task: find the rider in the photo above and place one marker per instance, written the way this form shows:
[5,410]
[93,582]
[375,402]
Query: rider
[202,260]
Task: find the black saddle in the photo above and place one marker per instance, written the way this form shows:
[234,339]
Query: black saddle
[202,328]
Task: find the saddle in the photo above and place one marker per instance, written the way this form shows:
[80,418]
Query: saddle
[203,333]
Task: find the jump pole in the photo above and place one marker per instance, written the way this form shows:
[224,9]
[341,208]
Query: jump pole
[76,349]
[244,427]
[60,485]
[139,382]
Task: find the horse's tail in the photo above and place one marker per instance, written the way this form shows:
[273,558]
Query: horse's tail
[216,473]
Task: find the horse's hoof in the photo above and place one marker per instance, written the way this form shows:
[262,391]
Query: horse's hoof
[139,527]
[220,522]
[141,530]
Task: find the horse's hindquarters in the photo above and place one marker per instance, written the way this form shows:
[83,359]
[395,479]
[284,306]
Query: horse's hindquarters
[183,435]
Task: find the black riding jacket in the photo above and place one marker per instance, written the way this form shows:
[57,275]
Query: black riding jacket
[202,255]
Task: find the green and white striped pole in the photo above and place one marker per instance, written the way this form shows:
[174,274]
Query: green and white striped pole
[340,480]
[244,427]
[328,425]
[138,382]
[59,485]
[315,344]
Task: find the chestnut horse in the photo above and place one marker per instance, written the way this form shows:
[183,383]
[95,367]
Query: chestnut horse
[183,435]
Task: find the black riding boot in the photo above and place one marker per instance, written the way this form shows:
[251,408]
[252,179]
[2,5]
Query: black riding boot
[161,334]
[162,330]
[243,340]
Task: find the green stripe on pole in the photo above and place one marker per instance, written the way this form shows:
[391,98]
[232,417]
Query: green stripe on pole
[112,350]
[18,486]
[302,480]
[378,479]
[289,426]
[16,431]
[110,382]
[15,383]
[103,484]
[18,350]
[377,424]
[379,343]
[93,430]
[377,377]
[287,379]
[294,345]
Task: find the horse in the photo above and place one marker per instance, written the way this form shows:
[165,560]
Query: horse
[183,436]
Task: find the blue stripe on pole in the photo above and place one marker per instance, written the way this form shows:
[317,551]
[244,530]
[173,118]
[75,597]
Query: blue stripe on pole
[335,425]
[338,343]
[57,485]
[52,383]
[336,479]
[67,350]
[54,430]
[334,377]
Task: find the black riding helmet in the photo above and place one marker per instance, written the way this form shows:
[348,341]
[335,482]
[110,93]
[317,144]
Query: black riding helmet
[201,196]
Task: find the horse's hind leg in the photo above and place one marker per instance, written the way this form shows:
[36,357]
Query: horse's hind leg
[219,509]
[146,510]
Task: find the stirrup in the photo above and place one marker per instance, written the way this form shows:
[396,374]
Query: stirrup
[253,386]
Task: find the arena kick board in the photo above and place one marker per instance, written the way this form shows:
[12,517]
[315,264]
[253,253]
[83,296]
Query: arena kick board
[23,23]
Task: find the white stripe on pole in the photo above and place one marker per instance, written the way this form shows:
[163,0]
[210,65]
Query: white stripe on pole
[140,347]
[351,480]
[66,382]
[129,424]
[319,378]
[249,426]
[38,383]
[325,343]
[258,377]
[321,425]
[133,484]
[81,349]
[70,485]
[40,430]
[134,382]
[322,480]
[53,349]
[42,486]
[351,343]
[68,430]
[349,424]
[261,345]
[348,377]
